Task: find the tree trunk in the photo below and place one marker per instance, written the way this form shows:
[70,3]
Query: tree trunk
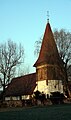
[68,92]
[3,97]
[4,82]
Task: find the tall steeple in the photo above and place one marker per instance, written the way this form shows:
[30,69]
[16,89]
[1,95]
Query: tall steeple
[49,55]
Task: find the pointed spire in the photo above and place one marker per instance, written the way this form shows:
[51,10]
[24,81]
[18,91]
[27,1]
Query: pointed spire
[49,52]
[49,55]
[48,48]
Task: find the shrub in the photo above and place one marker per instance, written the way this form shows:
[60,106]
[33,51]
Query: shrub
[39,96]
[57,97]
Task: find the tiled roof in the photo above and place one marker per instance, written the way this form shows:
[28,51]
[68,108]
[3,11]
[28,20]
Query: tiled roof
[23,85]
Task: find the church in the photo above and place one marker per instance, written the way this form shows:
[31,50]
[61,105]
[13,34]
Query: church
[49,75]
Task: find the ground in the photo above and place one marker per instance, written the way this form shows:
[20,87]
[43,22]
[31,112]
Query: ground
[53,112]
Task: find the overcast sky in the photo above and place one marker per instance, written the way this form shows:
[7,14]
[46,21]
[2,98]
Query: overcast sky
[24,21]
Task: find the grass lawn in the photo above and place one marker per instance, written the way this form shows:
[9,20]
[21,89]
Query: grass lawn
[54,112]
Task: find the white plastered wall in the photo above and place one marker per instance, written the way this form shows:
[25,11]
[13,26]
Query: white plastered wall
[53,85]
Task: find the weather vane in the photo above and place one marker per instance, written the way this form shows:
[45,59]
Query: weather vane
[48,16]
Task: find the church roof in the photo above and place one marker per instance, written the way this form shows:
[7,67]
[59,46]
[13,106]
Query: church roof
[48,52]
[23,85]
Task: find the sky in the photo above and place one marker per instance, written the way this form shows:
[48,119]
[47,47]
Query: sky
[24,21]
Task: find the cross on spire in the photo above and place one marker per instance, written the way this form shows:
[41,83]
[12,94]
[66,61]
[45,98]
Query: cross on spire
[47,16]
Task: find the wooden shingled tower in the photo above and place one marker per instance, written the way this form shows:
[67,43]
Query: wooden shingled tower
[49,65]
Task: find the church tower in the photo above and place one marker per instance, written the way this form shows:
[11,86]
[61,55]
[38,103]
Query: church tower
[49,66]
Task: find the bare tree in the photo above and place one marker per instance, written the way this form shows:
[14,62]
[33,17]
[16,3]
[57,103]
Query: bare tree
[63,41]
[24,71]
[11,55]
[37,47]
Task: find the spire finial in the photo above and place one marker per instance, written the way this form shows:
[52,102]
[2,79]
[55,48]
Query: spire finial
[47,16]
